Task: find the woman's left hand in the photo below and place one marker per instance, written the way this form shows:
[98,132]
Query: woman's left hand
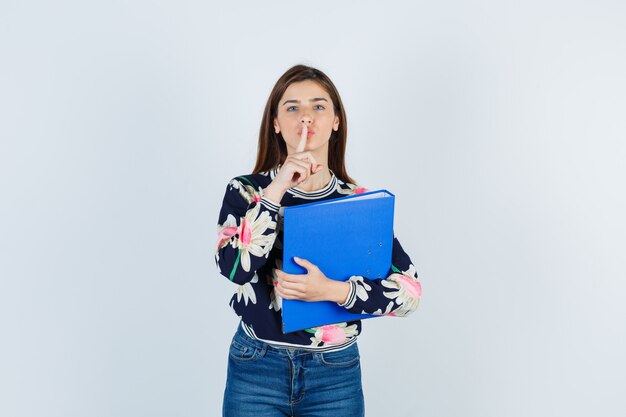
[312,286]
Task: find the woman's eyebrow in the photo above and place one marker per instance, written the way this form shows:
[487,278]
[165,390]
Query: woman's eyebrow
[313,99]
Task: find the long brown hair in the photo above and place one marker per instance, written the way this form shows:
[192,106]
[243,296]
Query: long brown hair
[272,150]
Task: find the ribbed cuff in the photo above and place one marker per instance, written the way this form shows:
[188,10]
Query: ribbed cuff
[269,204]
[351,295]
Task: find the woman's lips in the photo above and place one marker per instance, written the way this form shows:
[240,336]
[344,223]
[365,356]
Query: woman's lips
[308,134]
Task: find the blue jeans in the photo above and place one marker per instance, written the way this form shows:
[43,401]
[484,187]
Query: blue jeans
[264,381]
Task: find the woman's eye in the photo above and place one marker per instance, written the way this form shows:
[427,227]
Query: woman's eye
[317,107]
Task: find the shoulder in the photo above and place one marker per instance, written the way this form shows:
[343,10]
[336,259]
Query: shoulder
[348,188]
[249,186]
[261,179]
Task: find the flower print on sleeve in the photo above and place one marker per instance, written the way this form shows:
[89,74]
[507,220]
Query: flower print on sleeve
[347,188]
[397,295]
[252,238]
[276,301]
[405,289]
[246,232]
[246,292]
[248,192]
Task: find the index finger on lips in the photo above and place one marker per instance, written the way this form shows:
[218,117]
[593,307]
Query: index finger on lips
[302,143]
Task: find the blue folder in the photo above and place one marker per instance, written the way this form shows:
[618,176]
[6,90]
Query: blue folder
[345,236]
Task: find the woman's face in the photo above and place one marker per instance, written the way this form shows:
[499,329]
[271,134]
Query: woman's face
[306,102]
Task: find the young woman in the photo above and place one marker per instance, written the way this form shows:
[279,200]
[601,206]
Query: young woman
[300,159]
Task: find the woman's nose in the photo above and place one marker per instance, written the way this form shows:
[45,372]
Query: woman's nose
[306,119]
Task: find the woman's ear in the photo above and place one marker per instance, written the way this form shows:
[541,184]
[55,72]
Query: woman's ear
[336,124]
[276,127]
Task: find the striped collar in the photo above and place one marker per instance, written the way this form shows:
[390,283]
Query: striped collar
[311,195]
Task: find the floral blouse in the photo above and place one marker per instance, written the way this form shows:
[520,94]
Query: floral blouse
[249,246]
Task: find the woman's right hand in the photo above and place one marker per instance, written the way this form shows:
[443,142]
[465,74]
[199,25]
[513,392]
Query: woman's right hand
[294,171]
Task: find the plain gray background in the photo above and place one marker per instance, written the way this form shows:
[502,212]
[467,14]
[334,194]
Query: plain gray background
[499,125]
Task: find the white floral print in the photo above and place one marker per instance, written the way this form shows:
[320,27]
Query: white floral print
[333,334]
[246,291]
[362,287]
[247,191]
[252,240]
[379,312]
[407,291]
[276,301]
